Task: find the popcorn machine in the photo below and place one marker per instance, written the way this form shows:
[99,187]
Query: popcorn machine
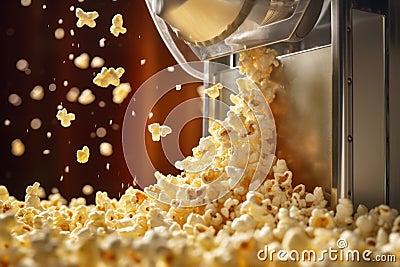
[336,116]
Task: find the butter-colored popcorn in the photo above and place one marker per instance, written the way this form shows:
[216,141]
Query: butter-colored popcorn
[108,76]
[17,147]
[344,212]
[86,97]
[65,117]
[4,195]
[37,93]
[138,229]
[157,131]
[82,61]
[82,155]
[86,18]
[321,218]
[213,91]
[72,94]
[97,62]
[243,223]
[106,149]
[121,92]
[116,27]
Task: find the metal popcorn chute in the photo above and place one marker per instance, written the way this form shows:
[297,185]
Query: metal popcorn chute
[337,117]
[215,28]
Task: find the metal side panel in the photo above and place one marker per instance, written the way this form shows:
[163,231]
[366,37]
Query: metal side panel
[394,104]
[303,117]
[369,109]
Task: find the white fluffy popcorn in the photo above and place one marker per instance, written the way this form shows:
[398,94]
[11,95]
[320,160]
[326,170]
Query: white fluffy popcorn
[213,91]
[108,76]
[65,117]
[157,131]
[86,18]
[116,28]
[82,155]
[137,229]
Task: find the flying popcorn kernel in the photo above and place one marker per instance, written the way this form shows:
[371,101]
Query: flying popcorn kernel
[116,27]
[82,61]
[17,148]
[108,76]
[37,93]
[65,117]
[86,18]
[157,131]
[87,190]
[86,97]
[121,92]
[82,156]
[213,91]
[106,149]
[73,94]
[97,62]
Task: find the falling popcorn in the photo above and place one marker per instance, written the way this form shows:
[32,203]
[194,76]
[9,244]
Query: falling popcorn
[86,18]
[116,27]
[82,156]
[97,62]
[121,92]
[108,76]
[158,131]
[65,117]
[86,97]
[213,91]
[17,148]
[82,61]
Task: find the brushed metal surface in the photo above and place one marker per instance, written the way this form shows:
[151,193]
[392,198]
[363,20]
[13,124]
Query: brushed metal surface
[394,106]
[369,109]
[303,117]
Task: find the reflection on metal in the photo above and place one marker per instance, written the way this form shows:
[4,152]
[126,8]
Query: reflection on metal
[369,109]
[393,45]
[303,115]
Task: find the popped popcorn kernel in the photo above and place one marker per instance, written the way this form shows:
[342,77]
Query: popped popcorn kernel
[37,93]
[87,190]
[116,27]
[157,131]
[4,195]
[59,33]
[82,61]
[65,117]
[82,156]
[121,92]
[17,148]
[86,97]
[86,18]
[106,149]
[108,76]
[97,62]
[73,94]
[213,91]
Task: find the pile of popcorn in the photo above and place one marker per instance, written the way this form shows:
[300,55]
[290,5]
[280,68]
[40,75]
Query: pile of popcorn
[159,227]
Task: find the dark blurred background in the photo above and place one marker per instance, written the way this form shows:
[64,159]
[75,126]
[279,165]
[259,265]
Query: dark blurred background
[27,32]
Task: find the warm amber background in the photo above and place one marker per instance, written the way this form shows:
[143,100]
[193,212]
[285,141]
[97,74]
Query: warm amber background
[28,32]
